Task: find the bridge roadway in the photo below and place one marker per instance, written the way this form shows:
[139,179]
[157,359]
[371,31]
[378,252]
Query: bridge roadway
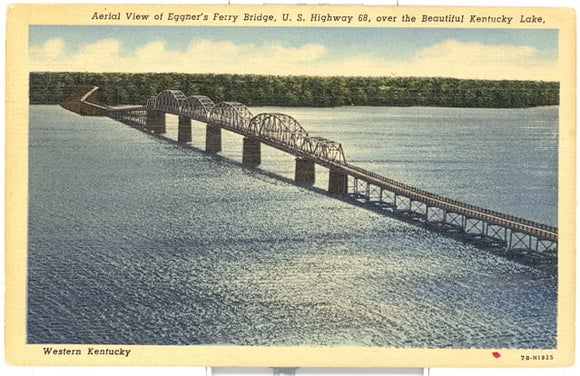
[518,234]
[489,216]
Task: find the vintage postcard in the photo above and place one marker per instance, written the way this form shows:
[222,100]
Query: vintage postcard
[284,186]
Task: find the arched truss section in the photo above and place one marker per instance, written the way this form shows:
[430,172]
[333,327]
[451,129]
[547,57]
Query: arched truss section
[197,107]
[230,114]
[274,126]
[324,149]
[169,101]
[280,127]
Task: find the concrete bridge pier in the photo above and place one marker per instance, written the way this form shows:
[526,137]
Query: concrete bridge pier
[213,139]
[337,182]
[155,121]
[184,129]
[304,173]
[251,154]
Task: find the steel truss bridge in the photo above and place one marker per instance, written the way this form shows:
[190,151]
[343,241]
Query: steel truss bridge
[514,237]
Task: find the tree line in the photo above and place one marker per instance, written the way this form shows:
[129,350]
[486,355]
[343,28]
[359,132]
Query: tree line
[299,91]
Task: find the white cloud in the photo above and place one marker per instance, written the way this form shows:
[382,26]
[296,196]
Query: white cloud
[99,56]
[47,56]
[476,60]
[450,58]
[307,53]
[52,49]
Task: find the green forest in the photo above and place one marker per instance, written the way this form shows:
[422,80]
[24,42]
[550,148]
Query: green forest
[303,91]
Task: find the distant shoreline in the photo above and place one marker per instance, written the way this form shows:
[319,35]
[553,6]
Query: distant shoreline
[300,91]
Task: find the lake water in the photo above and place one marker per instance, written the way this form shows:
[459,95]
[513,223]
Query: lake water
[136,240]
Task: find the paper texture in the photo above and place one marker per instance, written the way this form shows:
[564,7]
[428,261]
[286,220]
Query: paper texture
[281,269]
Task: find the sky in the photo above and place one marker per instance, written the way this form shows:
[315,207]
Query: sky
[529,54]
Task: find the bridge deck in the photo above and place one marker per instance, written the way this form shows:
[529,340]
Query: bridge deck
[492,217]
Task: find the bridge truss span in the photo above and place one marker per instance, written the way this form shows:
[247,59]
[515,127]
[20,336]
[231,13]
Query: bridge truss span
[232,115]
[324,149]
[277,127]
[197,107]
[168,101]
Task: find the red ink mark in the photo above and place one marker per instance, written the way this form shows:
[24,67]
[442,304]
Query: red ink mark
[496,354]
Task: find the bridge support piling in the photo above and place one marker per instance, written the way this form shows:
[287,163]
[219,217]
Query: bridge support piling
[337,182]
[155,121]
[251,156]
[304,173]
[184,129]
[213,139]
